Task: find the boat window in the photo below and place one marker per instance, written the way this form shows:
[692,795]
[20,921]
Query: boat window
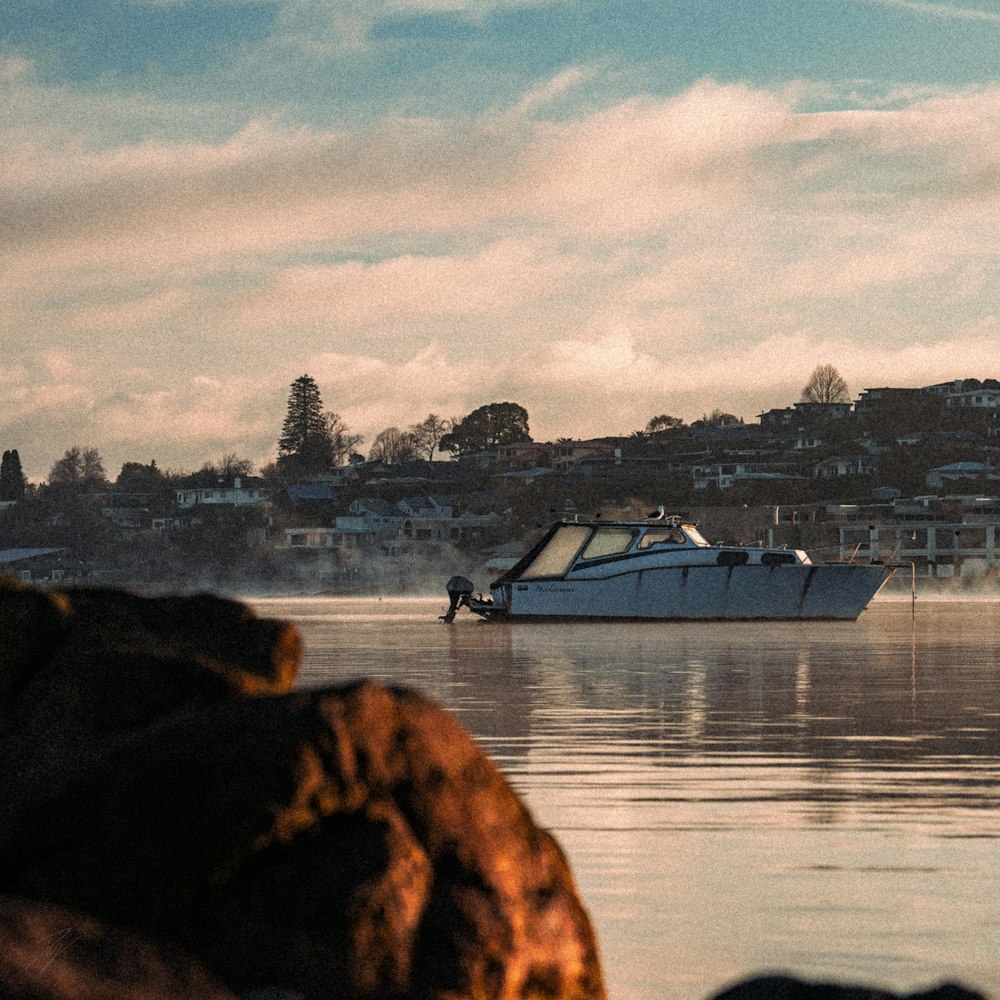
[558,555]
[661,536]
[609,542]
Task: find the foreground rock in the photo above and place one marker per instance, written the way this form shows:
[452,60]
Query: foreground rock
[349,843]
[47,953]
[175,822]
[81,668]
[789,988]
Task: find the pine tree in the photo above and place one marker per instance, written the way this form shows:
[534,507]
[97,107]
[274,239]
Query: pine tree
[12,479]
[305,446]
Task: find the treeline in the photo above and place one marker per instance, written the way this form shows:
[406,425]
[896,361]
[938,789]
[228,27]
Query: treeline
[313,440]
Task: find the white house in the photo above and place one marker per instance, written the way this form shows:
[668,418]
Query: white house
[237,494]
[844,465]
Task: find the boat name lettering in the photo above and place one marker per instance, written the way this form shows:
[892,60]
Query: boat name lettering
[555,588]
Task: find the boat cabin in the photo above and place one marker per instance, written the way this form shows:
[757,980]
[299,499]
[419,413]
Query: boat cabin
[568,543]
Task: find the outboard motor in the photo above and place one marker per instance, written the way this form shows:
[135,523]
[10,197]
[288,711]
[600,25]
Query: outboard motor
[459,591]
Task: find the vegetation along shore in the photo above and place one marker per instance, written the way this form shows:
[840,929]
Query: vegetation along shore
[901,474]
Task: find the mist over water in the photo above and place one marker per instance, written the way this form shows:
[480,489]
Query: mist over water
[821,798]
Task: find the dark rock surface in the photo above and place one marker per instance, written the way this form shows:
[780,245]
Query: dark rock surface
[48,953]
[81,668]
[781,987]
[351,842]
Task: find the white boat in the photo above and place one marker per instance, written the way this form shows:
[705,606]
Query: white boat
[664,569]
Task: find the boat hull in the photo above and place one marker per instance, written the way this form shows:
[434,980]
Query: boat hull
[839,591]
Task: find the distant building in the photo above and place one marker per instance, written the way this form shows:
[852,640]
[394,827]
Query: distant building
[969,550]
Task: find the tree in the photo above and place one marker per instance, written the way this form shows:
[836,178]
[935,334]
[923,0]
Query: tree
[342,442]
[488,427]
[80,469]
[718,418]
[825,385]
[227,468]
[393,447]
[663,423]
[138,478]
[305,446]
[231,465]
[13,482]
[428,433]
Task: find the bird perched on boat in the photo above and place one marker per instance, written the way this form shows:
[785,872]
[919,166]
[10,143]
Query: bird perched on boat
[657,515]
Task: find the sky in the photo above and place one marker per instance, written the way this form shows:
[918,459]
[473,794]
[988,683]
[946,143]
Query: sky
[604,210]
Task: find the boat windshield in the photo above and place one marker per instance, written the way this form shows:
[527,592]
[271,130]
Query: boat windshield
[559,552]
[662,536]
[609,542]
[695,535]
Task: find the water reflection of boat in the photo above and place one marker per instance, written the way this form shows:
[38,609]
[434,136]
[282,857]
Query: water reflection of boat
[664,569]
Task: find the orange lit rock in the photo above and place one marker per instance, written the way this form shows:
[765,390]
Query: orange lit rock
[345,843]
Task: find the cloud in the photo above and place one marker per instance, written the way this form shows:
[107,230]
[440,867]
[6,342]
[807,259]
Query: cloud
[944,10]
[550,90]
[637,259]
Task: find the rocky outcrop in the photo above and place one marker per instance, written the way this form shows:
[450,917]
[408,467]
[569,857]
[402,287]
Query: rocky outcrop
[157,776]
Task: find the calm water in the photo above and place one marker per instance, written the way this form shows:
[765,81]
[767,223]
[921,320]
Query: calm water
[818,798]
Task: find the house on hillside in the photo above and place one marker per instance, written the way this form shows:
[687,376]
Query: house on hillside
[240,491]
[783,418]
[34,565]
[869,399]
[958,472]
[128,520]
[311,493]
[844,465]
[724,475]
[559,455]
[426,507]
[969,392]
[372,523]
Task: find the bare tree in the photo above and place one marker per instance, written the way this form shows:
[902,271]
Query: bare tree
[825,385]
[231,465]
[342,441]
[393,446]
[428,433]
